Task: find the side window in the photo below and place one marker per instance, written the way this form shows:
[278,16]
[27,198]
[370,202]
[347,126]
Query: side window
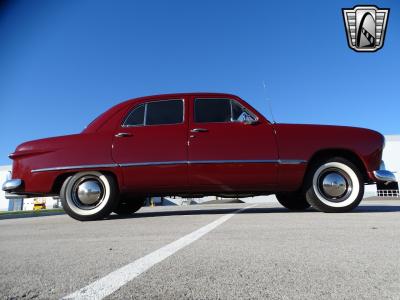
[212,110]
[136,117]
[241,114]
[221,110]
[156,113]
[164,112]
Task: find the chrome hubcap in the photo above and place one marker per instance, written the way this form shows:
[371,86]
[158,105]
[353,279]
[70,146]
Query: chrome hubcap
[89,192]
[334,184]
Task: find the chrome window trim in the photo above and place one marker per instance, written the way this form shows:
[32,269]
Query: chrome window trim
[256,119]
[145,113]
[177,162]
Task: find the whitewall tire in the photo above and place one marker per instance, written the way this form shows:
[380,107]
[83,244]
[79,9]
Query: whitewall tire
[334,185]
[87,196]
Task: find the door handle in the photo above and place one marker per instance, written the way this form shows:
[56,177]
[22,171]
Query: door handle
[199,130]
[123,134]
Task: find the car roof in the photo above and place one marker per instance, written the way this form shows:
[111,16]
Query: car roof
[181,95]
[101,119]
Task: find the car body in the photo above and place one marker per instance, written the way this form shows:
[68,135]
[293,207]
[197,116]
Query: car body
[192,144]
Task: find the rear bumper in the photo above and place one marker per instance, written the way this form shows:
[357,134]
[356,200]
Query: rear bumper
[12,185]
[14,188]
[384,176]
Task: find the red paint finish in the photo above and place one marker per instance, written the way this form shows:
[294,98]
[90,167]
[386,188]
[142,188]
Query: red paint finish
[232,141]
[273,143]
[151,144]
[305,141]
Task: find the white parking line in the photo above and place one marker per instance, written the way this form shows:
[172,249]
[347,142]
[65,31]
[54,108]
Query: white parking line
[115,280]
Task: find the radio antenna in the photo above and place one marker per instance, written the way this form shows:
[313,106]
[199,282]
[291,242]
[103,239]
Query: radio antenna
[268,102]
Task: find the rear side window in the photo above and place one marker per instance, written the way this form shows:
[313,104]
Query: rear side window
[156,113]
[136,117]
[212,110]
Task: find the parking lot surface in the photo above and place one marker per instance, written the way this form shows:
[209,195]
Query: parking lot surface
[259,252]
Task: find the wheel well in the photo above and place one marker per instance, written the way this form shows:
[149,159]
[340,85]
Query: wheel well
[58,182]
[347,154]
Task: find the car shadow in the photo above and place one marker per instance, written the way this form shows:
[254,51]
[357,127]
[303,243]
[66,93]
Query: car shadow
[255,210]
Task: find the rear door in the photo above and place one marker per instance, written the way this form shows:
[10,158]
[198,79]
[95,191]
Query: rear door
[230,147]
[151,146]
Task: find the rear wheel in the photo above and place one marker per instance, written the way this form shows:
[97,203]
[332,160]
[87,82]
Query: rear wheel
[293,200]
[334,185]
[87,196]
[129,205]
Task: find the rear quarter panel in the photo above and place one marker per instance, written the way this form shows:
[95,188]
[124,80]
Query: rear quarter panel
[304,141]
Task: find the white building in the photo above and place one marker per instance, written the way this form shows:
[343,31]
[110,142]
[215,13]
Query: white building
[391,158]
[391,154]
[4,174]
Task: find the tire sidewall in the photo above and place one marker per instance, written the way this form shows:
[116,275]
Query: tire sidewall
[319,202]
[100,211]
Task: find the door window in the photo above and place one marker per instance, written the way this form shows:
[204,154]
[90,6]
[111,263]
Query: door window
[156,113]
[164,112]
[221,110]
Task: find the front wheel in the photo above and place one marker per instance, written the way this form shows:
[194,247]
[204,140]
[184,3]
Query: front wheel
[88,196]
[334,185]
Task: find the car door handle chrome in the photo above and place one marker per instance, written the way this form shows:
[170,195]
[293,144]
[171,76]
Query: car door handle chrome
[199,130]
[123,134]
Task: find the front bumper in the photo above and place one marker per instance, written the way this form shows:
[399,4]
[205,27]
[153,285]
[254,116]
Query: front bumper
[385,176]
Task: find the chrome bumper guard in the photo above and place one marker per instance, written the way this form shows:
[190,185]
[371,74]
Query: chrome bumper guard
[385,175]
[12,185]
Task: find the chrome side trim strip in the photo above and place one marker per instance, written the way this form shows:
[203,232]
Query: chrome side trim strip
[155,163]
[74,167]
[177,162]
[292,161]
[248,161]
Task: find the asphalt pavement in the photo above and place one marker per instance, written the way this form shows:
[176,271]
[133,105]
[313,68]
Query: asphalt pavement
[221,251]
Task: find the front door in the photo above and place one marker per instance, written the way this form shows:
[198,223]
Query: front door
[230,147]
[151,146]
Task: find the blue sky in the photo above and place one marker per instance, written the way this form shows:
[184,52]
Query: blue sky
[64,62]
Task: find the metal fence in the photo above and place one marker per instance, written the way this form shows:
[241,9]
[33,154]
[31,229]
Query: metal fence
[388,193]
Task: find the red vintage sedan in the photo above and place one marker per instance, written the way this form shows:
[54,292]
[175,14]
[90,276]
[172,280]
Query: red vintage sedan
[197,144]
